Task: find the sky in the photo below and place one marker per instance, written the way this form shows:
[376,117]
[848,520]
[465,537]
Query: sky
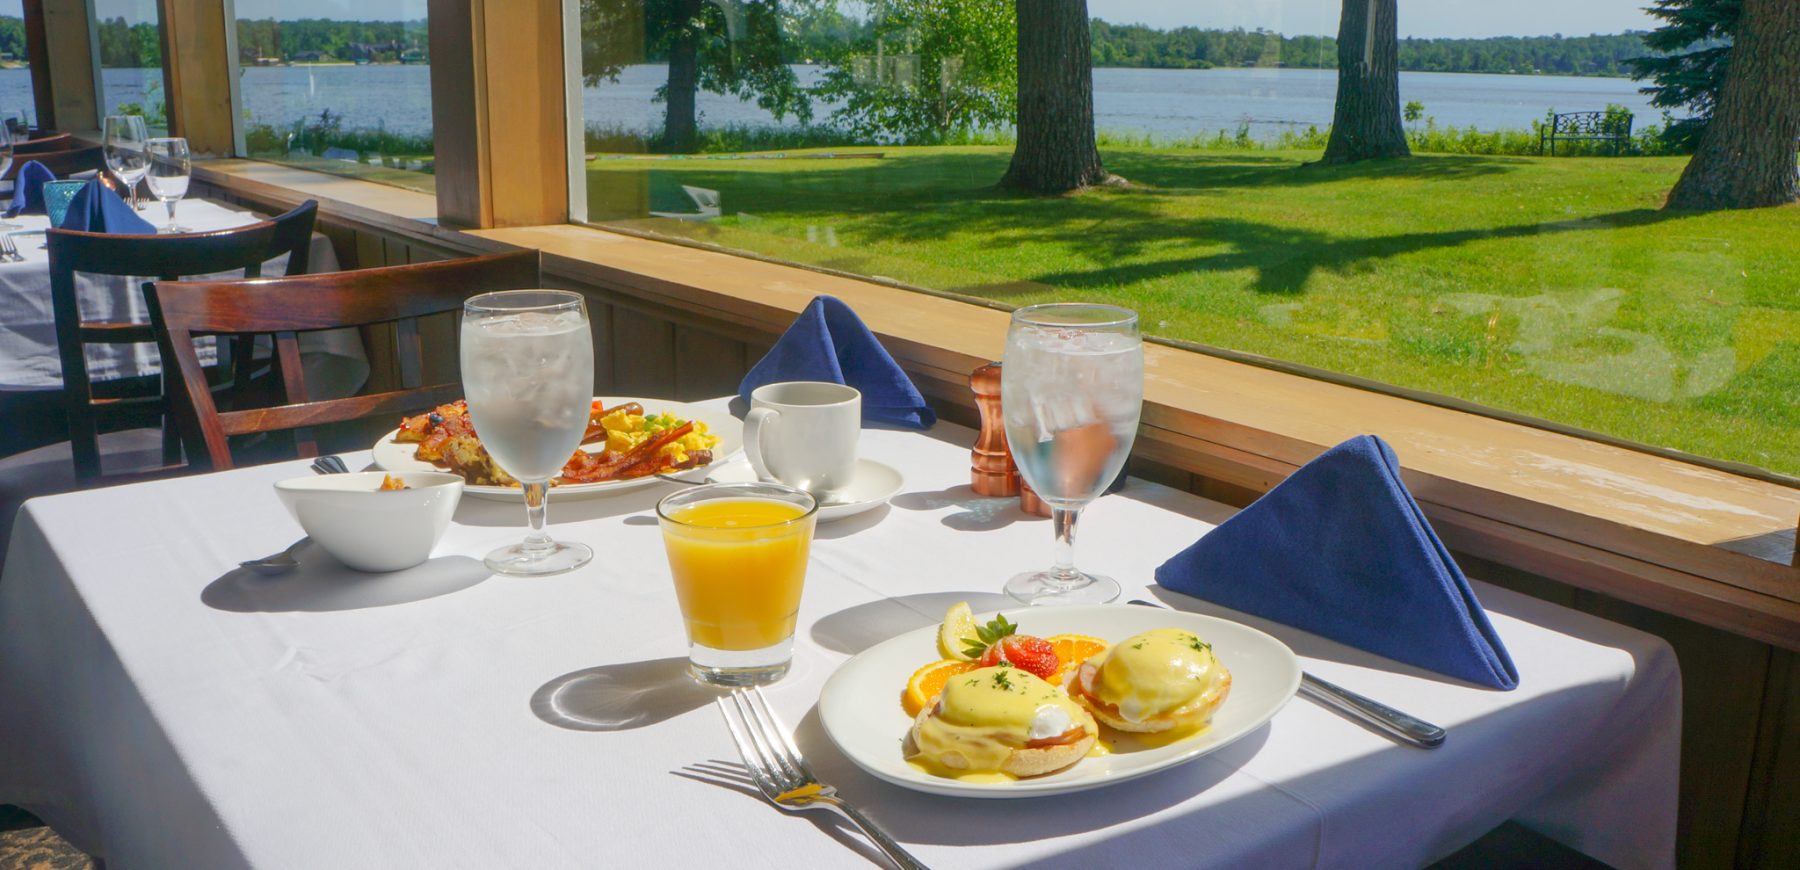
[1470,18]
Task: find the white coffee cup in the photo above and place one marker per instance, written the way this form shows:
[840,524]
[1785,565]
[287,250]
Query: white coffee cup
[803,434]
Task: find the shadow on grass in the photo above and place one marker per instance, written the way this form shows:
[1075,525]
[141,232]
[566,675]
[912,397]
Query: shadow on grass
[921,200]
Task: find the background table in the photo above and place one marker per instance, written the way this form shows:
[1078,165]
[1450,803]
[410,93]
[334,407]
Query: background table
[334,360]
[163,709]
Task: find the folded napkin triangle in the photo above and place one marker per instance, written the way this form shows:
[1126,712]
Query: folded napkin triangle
[28,189]
[97,209]
[1340,549]
[828,342]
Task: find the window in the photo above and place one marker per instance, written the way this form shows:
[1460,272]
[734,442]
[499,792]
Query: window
[871,138]
[338,86]
[17,102]
[129,34]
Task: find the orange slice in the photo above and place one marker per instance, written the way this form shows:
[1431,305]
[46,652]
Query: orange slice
[1071,651]
[928,682]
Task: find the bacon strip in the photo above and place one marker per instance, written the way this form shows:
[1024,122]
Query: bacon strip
[636,459]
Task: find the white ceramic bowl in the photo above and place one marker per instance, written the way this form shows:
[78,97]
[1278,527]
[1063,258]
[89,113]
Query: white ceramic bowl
[371,530]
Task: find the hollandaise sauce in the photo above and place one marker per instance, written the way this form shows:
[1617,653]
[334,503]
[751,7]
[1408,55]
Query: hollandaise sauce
[984,715]
[1167,671]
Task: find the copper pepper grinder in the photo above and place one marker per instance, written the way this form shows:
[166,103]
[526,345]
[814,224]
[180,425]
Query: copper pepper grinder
[991,469]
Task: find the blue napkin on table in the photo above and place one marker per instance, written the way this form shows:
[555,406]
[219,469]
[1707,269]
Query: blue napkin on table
[1340,549]
[28,189]
[828,342]
[97,209]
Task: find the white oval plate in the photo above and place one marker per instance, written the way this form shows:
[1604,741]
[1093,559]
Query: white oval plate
[875,483]
[391,455]
[860,705]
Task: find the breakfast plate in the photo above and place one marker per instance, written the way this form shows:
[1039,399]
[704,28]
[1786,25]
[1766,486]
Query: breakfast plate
[875,483]
[397,456]
[860,705]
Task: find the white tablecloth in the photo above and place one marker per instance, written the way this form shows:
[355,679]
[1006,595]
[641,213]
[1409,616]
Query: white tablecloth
[335,362]
[163,710]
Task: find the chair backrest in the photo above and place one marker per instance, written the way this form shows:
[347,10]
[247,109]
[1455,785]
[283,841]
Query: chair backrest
[164,257]
[64,163]
[58,142]
[284,307]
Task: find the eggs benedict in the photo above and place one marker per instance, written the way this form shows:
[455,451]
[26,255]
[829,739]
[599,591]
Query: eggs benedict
[1000,720]
[1159,681]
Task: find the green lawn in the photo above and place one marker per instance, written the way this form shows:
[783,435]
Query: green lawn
[1550,287]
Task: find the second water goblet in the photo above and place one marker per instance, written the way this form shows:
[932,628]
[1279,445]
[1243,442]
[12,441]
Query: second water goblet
[124,138]
[1071,393]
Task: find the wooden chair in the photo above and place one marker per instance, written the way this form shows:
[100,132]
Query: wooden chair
[165,257]
[64,163]
[284,307]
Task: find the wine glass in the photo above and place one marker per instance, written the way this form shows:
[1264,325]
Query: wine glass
[124,138]
[1071,391]
[528,375]
[167,177]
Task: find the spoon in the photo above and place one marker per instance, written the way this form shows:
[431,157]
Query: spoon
[284,560]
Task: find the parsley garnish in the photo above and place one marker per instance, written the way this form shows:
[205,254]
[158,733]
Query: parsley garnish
[1003,680]
[1198,644]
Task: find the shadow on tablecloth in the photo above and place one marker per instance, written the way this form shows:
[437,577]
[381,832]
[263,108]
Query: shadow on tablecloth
[620,697]
[322,584]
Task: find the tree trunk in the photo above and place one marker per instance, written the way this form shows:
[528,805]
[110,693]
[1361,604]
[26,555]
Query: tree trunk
[1747,156]
[1055,152]
[681,133]
[1366,122]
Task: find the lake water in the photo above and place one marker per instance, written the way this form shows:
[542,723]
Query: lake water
[1166,103]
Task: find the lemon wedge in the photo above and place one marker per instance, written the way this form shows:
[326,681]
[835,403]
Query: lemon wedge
[957,632]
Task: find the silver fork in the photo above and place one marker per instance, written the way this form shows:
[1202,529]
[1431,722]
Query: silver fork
[782,775]
[11,249]
[330,465]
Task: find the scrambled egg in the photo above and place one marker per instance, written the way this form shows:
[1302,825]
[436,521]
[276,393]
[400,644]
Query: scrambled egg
[625,431]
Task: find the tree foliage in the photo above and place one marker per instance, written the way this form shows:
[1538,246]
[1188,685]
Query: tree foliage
[1135,45]
[1689,60]
[927,68]
[12,36]
[741,49]
[330,40]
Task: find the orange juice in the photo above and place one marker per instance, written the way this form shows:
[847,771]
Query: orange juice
[738,564]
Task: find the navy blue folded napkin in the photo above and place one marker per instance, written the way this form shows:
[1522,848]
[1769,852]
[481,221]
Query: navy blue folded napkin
[1340,549]
[28,189]
[97,209]
[828,342]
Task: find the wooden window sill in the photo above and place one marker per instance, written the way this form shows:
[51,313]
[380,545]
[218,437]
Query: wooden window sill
[1685,539]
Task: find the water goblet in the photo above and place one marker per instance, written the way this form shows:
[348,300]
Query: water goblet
[528,375]
[167,178]
[124,139]
[1071,392]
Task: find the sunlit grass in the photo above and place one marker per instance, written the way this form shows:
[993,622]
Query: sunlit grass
[1551,287]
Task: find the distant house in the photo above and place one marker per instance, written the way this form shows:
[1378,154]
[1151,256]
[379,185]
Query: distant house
[308,57]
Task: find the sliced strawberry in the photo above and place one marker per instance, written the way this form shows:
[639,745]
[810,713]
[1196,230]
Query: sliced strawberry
[1025,652]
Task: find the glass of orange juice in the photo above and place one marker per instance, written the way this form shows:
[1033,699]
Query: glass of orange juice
[738,555]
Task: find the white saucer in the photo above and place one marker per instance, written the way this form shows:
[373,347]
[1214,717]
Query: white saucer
[875,483]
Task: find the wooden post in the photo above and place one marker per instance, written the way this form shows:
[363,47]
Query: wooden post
[498,112]
[197,74]
[69,64]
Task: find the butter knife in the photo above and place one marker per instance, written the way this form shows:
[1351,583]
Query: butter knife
[1401,727]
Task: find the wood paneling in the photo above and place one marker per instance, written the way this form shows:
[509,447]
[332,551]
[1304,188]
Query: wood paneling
[198,70]
[707,364]
[499,119]
[1771,824]
[71,64]
[643,354]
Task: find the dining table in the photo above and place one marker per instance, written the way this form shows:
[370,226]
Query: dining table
[163,707]
[335,361]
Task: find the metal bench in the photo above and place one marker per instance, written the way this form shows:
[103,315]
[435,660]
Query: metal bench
[1614,127]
